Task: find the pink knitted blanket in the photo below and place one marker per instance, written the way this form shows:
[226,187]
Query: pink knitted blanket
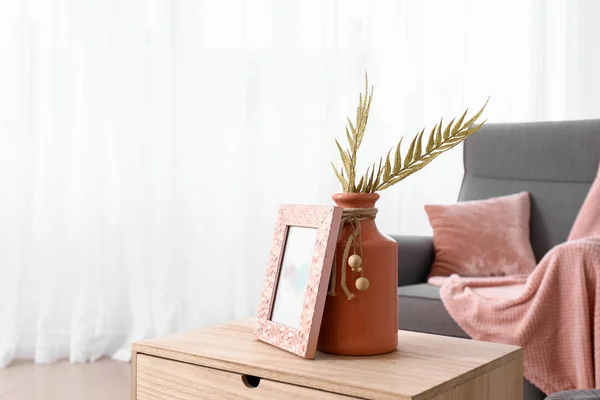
[555,316]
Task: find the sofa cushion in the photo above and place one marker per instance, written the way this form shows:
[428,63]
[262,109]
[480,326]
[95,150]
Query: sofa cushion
[482,238]
[420,309]
[510,158]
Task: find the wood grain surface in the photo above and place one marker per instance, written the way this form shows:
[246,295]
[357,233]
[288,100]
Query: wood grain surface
[423,366]
[502,383]
[160,379]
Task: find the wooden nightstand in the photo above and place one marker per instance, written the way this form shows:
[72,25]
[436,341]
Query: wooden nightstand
[225,362]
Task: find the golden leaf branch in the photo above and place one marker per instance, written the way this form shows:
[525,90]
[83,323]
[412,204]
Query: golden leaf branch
[392,171]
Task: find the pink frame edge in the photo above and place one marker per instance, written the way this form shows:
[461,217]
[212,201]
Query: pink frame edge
[303,341]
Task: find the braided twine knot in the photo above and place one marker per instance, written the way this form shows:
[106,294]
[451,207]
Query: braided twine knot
[352,217]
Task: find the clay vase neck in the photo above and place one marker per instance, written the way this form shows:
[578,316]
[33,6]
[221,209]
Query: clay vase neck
[358,200]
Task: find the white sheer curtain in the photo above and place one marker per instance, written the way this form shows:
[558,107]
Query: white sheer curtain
[146,144]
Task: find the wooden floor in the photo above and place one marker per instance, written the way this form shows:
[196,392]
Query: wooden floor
[104,379]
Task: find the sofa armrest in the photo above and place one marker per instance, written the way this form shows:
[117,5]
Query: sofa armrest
[415,257]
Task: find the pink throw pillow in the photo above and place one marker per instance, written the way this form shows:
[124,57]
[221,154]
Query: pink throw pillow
[587,223]
[482,238]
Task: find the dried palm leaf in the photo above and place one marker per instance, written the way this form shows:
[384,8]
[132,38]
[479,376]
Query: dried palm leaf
[391,172]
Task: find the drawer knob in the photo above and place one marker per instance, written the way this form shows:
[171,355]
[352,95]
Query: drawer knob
[250,381]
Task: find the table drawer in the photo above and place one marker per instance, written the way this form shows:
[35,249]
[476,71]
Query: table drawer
[162,379]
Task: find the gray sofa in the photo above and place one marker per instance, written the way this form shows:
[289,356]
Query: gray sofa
[555,162]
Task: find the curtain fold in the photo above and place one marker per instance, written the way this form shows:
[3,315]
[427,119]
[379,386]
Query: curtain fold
[146,144]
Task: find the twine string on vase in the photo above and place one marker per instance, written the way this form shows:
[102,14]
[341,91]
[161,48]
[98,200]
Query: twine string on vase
[353,217]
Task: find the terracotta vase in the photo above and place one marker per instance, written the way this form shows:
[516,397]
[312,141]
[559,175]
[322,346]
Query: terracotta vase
[368,323]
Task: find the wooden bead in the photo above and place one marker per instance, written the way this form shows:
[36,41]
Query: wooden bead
[354,261]
[362,283]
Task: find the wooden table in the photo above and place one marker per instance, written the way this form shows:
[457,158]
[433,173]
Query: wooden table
[225,362]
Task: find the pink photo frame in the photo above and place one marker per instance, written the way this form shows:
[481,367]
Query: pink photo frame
[325,222]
